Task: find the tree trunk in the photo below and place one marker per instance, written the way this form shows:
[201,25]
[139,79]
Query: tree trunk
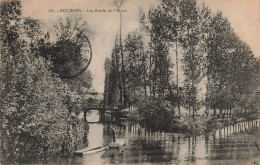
[193,111]
[122,63]
[220,112]
[230,111]
[177,76]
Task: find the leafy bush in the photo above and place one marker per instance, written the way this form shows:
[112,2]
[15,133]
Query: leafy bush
[155,113]
[38,110]
[213,123]
[188,124]
[158,115]
[38,120]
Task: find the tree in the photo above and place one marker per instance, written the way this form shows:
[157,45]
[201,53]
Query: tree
[71,48]
[216,64]
[32,30]
[191,57]
[220,47]
[118,4]
[136,69]
[107,68]
[159,49]
[205,18]
[36,119]
[172,31]
[114,86]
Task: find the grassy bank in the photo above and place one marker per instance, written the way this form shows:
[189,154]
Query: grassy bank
[159,116]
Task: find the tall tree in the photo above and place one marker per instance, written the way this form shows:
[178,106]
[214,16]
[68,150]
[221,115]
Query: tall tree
[118,4]
[219,45]
[191,57]
[114,93]
[171,10]
[205,18]
[107,68]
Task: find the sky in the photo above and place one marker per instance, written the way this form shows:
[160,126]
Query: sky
[244,16]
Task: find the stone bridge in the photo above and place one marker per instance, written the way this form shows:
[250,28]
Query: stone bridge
[102,111]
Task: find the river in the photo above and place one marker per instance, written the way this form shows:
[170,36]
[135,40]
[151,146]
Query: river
[233,145]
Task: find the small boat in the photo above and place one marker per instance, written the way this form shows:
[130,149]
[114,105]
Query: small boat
[89,151]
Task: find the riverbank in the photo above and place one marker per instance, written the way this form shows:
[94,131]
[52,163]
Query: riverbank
[197,124]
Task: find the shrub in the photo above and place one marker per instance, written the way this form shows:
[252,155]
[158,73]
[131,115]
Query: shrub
[37,122]
[155,113]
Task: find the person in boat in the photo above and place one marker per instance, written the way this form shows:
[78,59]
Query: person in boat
[113,134]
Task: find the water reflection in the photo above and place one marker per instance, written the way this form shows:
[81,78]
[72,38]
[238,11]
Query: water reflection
[92,116]
[235,144]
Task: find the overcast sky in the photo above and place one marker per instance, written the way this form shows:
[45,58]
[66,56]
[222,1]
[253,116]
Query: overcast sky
[244,16]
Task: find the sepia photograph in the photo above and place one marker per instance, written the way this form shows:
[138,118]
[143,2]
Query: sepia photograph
[93,82]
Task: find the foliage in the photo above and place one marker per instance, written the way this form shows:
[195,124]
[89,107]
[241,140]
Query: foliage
[71,46]
[155,114]
[38,110]
[220,71]
[38,121]
[213,123]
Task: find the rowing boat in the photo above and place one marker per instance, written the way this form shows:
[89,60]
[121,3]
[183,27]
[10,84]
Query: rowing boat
[89,151]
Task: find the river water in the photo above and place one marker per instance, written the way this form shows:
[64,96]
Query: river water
[232,145]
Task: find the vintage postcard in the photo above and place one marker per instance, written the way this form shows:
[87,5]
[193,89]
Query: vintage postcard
[130,82]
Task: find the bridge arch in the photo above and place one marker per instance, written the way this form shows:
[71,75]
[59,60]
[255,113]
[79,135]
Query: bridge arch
[102,112]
